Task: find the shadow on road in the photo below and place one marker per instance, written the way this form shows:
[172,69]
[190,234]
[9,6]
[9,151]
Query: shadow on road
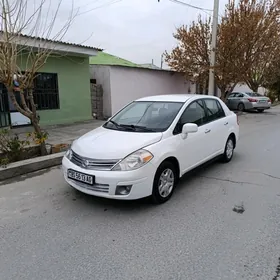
[144,204]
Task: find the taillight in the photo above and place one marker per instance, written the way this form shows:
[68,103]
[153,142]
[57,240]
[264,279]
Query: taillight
[269,100]
[252,100]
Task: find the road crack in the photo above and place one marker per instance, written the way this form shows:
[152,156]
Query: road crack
[271,176]
[265,174]
[230,181]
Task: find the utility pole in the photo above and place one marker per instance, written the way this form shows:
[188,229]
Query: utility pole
[161,61]
[211,86]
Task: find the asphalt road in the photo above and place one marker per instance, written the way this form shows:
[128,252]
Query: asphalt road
[49,231]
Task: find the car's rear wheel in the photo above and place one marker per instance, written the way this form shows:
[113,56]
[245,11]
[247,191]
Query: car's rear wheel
[229,150]
[260,110]
[241,107]
[164,182]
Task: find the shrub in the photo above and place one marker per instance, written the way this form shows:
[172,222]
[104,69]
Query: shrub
[11,146]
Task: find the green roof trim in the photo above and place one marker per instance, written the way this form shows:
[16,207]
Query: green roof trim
[103,58]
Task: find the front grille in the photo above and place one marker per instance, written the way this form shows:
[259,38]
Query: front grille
[93,164]
[96,187]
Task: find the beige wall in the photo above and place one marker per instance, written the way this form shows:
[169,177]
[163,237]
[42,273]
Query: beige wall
[122,85]
[128,84]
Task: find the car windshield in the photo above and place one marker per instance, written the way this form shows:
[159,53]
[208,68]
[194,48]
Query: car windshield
[253,94]
[145,116]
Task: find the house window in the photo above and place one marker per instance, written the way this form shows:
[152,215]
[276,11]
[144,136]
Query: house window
[45,92]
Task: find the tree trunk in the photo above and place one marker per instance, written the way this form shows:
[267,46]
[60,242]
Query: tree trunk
[253,86]
[17,106]
[223,94]
[38,130]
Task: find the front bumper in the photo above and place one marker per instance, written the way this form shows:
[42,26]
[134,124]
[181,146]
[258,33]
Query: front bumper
[106,182]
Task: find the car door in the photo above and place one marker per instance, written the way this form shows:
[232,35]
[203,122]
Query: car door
[218,124]
[238,99]
[194,149]
[230,101]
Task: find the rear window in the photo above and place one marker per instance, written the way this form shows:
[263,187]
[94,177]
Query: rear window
[253,94]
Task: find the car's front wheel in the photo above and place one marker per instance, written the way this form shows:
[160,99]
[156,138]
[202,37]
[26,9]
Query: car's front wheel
[164,182]
[229,149]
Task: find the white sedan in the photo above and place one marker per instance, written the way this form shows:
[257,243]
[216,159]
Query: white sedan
[146,147]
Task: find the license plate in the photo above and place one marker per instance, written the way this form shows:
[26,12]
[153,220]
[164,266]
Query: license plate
[262,101]
[81,177]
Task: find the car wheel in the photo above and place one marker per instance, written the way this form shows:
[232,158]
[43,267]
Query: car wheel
[164,182]
[241,107]
[260,110]
[229,149]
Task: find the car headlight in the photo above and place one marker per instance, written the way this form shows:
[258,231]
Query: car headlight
[68,154]
[134,161]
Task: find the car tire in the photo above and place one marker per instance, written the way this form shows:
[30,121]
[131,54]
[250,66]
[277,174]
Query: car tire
[165,181]
[229,150]
[241,107]
[260,110]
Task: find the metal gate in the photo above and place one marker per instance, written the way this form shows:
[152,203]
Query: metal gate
[4,107]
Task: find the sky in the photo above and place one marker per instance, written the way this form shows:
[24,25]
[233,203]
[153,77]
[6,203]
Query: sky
[137,30]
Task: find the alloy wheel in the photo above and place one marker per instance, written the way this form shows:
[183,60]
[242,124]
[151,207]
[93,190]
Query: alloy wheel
[166,183]
[229,148]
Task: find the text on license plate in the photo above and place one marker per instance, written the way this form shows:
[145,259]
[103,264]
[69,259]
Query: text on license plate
[262,101]
[81,177]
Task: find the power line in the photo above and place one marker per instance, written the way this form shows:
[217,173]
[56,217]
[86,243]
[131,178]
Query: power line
[98,7]
[207,11]
[189,5]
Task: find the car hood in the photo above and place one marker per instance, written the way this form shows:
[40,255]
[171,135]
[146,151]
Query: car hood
[102,143]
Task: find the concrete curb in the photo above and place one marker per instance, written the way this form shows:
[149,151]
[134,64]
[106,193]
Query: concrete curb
[30,165]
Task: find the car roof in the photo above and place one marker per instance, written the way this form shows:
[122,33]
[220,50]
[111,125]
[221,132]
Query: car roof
[173,97]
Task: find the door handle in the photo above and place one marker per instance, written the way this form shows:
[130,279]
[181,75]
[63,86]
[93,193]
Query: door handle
[207,130]
[226,123]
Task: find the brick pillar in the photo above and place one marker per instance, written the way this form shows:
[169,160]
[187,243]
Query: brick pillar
[97,101]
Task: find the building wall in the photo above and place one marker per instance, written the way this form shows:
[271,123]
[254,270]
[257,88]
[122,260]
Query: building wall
[74,90]
[102,75]
[244,88]
[128,84]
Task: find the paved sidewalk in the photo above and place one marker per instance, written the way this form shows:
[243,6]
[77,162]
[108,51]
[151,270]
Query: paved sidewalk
[65,134]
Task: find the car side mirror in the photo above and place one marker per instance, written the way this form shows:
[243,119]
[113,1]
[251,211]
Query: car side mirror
[189,128]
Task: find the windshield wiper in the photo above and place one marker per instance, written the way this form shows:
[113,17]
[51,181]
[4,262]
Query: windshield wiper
[137,127]
[131,126]
[114,123]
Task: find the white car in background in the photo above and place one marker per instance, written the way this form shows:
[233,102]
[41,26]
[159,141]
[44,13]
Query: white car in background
[248,101]
[147,146]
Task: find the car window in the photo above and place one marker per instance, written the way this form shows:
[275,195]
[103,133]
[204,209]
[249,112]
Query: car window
[194,113]
[239,95]
[136,112]
[214,109]
[232,95]
[145,116]
[253,94]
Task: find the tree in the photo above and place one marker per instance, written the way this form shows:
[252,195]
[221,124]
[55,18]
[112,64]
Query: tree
[272,80]
[191,56]
[256,23]
[248,45]
[25,45]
